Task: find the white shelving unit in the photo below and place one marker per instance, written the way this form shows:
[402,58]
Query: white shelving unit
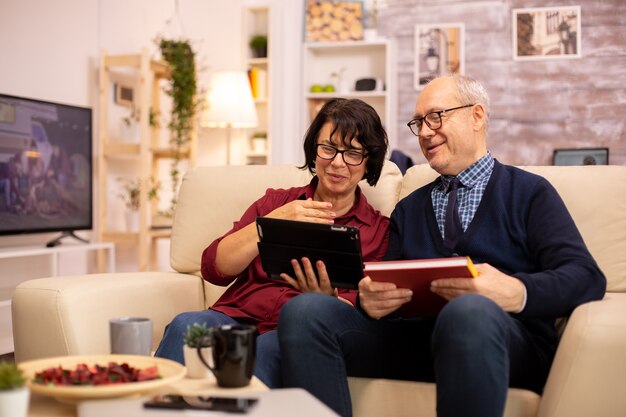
[353,60]
[256,22]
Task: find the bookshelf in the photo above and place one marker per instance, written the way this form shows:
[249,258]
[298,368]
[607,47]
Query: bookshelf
[258,141]
[143,76]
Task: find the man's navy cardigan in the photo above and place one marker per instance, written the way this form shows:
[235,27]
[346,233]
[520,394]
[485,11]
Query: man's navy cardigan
[522,228]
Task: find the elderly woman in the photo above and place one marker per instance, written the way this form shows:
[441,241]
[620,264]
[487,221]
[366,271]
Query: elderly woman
[345,144]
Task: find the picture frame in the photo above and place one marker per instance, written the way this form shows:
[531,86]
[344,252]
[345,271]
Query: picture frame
[546,33]
[581,156]
[123,94]
[333,21]
[439,51]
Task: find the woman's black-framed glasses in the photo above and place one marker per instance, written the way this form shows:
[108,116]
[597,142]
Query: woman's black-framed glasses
[433,120]
[349,156]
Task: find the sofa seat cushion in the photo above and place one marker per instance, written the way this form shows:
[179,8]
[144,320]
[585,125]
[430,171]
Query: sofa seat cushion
[386,397]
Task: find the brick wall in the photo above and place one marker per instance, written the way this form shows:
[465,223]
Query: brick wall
[537,106]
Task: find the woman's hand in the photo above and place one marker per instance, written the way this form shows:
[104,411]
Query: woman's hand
[305,211]
[306,279]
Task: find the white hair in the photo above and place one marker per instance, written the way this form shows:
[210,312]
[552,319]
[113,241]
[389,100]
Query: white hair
[471,91]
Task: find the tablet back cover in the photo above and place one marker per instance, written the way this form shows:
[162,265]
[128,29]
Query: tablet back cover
[339,247]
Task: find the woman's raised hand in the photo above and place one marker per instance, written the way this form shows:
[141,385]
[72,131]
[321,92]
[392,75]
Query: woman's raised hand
[305,211]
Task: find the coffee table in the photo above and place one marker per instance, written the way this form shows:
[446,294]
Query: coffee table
[275,403]
[42,406]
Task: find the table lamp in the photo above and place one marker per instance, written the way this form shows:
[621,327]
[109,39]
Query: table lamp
[229,104]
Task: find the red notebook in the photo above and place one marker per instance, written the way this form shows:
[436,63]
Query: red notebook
[417,274]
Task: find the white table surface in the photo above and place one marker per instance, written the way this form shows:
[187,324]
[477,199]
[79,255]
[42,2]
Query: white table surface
[275,403]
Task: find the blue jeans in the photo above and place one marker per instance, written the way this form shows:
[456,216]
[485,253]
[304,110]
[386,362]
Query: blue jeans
[473,350]
[267,362]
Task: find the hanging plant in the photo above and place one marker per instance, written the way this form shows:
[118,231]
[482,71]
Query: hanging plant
[182,89]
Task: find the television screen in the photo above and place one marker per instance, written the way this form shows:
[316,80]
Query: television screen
[581,156]
[45,166]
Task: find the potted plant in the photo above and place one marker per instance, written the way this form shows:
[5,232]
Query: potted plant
[183,91]
[131,191]
[258,45]
[14,393]
[259,142]
[129,130]
[198,336]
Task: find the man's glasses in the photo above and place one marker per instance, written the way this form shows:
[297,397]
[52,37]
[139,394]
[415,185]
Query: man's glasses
[433,120]
[349,156]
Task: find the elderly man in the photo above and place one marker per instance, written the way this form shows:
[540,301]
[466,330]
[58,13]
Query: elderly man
[497,330]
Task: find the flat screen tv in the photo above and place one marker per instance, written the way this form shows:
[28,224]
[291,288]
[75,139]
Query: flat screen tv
[45,167]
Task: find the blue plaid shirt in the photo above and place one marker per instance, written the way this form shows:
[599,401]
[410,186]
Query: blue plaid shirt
[474,180]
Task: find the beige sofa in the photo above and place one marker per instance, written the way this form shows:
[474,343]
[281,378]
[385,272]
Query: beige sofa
[69,315]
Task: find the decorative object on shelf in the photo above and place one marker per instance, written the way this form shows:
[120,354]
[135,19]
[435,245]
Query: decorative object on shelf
[129,125]
[183,90]
[123,94]
[342,83]
[130,195]
[333,21]
[14,394]
[229,104]
[259,142]
[258,45]
[546,33]
[198,336]
[258,82]
[439,51]
[369,84]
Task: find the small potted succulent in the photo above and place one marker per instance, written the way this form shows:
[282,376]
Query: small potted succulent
[258,45]
[14,393]
[198,338]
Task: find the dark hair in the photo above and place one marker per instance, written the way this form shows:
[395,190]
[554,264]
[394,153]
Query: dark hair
[352,119]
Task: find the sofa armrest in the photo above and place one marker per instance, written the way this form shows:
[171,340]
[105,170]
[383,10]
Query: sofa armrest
[70,315]
[587,376]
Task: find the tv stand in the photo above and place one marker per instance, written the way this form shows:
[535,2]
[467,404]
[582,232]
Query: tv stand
[57,241]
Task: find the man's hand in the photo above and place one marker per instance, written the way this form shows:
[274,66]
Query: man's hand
[379,299]
[504,290]
[305,211]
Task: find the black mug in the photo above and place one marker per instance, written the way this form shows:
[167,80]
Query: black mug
[234,349]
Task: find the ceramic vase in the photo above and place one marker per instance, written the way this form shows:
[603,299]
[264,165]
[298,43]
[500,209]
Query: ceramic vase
[132,220]
[195,367]
[14,402]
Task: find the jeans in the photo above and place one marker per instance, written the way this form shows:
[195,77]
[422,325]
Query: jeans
[267,362]
[474,351]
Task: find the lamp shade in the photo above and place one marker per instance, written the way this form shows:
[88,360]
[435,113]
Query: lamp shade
[229,101]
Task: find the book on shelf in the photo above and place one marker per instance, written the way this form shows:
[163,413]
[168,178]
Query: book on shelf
[416,275]
[258,82]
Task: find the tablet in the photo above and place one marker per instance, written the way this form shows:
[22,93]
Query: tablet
[339,247]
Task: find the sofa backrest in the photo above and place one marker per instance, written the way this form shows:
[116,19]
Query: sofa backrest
[595,197]
[212,198]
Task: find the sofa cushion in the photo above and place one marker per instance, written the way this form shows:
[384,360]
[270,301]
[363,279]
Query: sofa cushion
[594,195]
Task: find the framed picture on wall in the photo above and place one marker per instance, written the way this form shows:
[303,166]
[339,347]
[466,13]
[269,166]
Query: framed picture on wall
[439,51]
[333,21]
[546,33]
